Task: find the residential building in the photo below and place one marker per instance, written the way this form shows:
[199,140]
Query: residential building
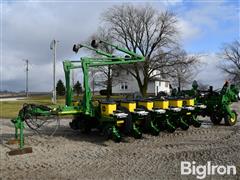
[125,83]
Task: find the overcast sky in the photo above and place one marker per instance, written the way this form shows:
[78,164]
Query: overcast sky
[28,27]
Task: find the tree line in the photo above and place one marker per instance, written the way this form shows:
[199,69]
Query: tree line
[60,88]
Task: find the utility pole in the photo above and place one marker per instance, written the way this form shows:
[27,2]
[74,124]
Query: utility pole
[73,80]
[27,69]
[53,47]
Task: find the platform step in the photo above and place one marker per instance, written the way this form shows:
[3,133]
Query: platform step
[20,151]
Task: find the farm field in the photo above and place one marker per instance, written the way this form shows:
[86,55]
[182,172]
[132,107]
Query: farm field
[10,109]
[72,155]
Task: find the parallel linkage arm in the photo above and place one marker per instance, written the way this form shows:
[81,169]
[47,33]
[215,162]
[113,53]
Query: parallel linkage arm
[87,62]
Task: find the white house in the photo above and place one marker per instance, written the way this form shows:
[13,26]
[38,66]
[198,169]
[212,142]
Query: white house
[125,83]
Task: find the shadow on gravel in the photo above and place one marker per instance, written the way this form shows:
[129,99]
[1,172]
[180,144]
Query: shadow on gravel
[64,132]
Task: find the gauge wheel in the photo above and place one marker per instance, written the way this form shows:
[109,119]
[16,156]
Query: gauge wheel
[231,121]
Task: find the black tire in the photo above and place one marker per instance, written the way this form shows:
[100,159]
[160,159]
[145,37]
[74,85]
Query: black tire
[183,125]
[171,129]
[230,121]
[117,139]
[82,123]
[195,122]
[161,126]
[73,124]
[216,119]
[106,133]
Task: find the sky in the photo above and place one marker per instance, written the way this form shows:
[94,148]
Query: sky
[28,27]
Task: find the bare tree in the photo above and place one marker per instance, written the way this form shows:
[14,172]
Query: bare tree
[185,68]
[143,30]
[105,74]
[230,64]
[202,86]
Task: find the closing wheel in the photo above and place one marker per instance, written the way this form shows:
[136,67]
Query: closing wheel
[136,133]
[195,122]
[230,121]
[111,132]
[150,127]
[170,127]
[115,134]
[216,119]
[183,125]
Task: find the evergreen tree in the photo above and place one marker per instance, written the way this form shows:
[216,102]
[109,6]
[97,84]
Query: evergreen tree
[60,88]
[77,88]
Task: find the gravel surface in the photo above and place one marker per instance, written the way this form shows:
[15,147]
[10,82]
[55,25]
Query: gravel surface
[72,155]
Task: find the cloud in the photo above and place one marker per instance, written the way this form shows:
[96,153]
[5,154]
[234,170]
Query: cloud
[206,25]
[28,29]
[171,2]
[187,30]
[209,73]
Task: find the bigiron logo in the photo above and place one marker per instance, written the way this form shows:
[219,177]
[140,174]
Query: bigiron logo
[202,171]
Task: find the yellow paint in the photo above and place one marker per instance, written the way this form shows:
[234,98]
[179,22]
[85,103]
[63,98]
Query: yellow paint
[233,119]
[119,123]
[69,112]
[188,102]
[161,104]
[75,103]
[147,104]
[176,102]
[107,109]
[131,106]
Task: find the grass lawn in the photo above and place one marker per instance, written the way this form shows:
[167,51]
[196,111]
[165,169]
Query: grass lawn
[10,109]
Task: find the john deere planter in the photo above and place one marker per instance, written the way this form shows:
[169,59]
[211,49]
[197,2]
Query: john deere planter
[125,117]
